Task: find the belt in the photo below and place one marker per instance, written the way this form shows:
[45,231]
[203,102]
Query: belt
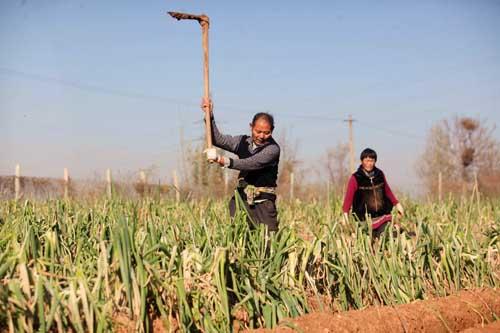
[253,192]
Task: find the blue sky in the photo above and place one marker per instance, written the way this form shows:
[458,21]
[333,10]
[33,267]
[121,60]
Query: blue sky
[95,84]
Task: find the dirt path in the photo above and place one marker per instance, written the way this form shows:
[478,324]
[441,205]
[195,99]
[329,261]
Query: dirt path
[448,314]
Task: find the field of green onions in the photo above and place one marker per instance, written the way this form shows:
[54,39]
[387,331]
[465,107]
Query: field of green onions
[70,266]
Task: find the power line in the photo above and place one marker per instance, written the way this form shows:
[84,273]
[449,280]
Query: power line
[315,117]
[367,124]
[142,96]
[135,95]
[110,91]
[90,87]
[392,131]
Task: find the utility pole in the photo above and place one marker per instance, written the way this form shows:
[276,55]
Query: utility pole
[351,144]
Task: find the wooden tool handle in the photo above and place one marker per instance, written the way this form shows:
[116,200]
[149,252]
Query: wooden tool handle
[206,82]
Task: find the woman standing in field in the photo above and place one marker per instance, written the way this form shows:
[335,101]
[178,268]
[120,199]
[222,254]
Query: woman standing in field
[258,158]
[369,194]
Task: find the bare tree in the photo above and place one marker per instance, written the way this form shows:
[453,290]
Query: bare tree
[337,165]
[464,150]
[289,163]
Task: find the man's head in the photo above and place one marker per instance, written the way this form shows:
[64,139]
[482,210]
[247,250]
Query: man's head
[262,127]
[368,158]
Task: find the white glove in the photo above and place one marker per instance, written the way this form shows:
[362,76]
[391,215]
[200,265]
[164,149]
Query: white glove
[400,209]
[211,154]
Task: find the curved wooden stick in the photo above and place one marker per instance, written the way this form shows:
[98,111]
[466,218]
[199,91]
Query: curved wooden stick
[205,23]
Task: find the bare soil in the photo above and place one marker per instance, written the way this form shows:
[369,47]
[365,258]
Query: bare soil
[123,324]
[484,328]
[466,309]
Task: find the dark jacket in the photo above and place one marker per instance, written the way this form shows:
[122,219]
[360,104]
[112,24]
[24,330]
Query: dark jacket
[258,165]
[371,196]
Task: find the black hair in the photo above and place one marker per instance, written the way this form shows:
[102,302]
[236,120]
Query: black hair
[266,116]
[368,153]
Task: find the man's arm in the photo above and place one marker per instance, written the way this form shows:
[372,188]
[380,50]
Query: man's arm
[352,187]
[224,141]
[268,156]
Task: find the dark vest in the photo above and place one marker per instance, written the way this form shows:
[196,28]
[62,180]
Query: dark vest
[265,177]
[370,197]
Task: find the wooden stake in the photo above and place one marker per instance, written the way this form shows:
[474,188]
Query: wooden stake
[176,186]
[108,183]
[66,183]
[292,184]
[440,186]
[143,180]
[328,192]
[476,186]
[17,182]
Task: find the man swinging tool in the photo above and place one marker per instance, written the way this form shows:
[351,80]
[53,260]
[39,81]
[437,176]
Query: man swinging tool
[258,158]
[369,194]
[258,154]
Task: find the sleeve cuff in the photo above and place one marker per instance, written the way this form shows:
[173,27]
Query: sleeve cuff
[227,162]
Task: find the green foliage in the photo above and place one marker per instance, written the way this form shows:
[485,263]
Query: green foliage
[74,266]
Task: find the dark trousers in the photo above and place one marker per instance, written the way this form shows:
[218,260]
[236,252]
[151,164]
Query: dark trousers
[263,212]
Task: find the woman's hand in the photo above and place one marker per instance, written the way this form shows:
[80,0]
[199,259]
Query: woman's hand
[400,209]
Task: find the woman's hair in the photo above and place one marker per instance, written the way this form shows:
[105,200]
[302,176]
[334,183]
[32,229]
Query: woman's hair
[368,153]
[266,116]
